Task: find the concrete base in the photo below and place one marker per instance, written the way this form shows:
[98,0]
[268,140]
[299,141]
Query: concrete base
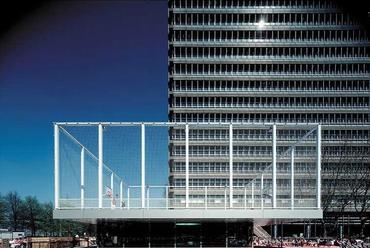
[257,215]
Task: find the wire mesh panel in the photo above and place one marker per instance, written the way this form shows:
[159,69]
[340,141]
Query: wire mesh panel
[177,165]
[70,173]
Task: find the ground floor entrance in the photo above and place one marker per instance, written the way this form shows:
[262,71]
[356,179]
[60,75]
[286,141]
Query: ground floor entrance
[114,233]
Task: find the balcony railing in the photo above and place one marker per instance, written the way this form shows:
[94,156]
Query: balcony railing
[201,197]
[275,59]
[273,106]
[255,9]
[267,26]
[263,42]
[356,91]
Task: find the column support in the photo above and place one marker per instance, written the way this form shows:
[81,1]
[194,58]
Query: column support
[261,191]
[245,197]
[274,166]
[166,197]
[186,165]
[206,197]
[147,197]
[128,197]
[56,166]
[318,166]
[252,194]
[100,166]
[142,166]
[82,175]
[292,178]
[231,186]
[112,188]
[120,193]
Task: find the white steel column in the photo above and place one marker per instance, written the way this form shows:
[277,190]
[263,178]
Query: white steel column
[274,166]
[206,197]
[231,165]
[120,193]
[56,166]
[318,166]
[292,178]
[112,188]
[166,197]
[261,191]
[147,196]
[186,165]
[82,177]
[252,194]
[245,197]
[100,166]
[142,166]
[128,197]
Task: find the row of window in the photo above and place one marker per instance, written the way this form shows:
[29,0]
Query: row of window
[257,134]
[342,169]
[234,35]
[204,150]
[266,68]
[243,18]
[320,52]
[205,134]
[250,3]
[214,85]
[346,118]
[282,183]
[210,167]
[219,150]
[200,102]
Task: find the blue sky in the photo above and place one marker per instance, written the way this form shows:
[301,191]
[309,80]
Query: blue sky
[76,61]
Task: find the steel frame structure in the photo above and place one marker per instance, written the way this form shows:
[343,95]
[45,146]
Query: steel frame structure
[144,190]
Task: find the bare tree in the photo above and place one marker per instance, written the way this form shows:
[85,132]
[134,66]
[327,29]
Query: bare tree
[332,194]
[360,191]
[32,211]
[13,202]
[2,211]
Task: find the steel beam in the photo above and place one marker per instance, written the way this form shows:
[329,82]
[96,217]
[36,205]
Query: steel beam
[120,193]
[186,165]
[318,166]
[100,166]
[231,176]
[142,165]
[82,179]
[274,166]
[56,166]
[292,178]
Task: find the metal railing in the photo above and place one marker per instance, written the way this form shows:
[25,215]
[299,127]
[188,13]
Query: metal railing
[201,197]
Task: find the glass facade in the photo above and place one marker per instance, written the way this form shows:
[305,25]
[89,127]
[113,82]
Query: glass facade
[268,61]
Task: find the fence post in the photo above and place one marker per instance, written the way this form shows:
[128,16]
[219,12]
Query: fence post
[186,165]
[206,197]
[252,194]
[166,197]
[292,178]
[142,166]
[112,188]
[274,166]
[100,165]
[318,166]
[82,176]
[231,165]
[261,191]
[56,166]
[120,193]
[128,197]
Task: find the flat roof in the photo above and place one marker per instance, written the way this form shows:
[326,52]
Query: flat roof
[254,215]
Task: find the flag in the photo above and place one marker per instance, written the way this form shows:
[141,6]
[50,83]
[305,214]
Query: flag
[108,191]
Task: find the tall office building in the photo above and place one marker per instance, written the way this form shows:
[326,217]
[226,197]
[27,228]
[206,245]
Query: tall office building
[270,61]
